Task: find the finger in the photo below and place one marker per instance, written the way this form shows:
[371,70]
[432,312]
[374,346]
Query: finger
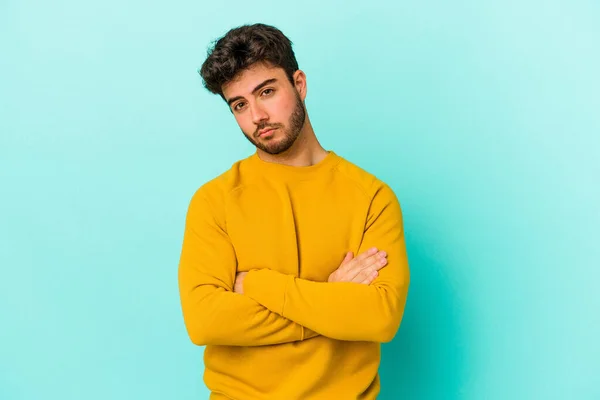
[379,264]
[356,264]
[370,278]
[366,254]
[376,261]
[364,275]
[371,258]
[349,256]
[361,271]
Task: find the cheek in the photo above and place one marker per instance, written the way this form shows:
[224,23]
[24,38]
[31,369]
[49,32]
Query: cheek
[283,109]
[245,123]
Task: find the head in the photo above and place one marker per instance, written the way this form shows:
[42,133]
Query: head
[254,69]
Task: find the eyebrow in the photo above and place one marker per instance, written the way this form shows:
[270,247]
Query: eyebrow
[256,89]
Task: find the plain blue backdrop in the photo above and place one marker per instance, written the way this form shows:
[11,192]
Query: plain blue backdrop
[484,117]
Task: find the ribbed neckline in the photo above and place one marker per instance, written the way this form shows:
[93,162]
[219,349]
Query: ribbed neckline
[330,160]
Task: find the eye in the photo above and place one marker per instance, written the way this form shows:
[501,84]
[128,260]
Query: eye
[237,106]
[267,92]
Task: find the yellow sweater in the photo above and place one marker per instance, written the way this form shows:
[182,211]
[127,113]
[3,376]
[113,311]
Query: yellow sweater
[291,335]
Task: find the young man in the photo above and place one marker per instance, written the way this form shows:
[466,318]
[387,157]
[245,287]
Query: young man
[268,277]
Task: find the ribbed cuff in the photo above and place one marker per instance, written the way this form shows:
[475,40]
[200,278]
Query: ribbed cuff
[268,288]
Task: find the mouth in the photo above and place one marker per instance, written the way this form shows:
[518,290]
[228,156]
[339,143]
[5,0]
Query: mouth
[266,132]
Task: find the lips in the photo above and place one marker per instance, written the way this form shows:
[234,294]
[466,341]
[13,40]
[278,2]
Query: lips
[265,131]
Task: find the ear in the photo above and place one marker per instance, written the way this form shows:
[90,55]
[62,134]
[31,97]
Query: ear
[300,83]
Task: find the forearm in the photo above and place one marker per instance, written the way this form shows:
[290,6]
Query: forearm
[215,316]
[343,311]
[347,311]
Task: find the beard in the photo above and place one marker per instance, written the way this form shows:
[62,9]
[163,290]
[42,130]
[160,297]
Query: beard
[290,134]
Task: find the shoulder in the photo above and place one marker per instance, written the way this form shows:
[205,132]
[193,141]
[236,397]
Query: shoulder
[367,182]
[215,191]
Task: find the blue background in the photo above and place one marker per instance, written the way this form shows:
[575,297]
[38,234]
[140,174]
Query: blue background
[482,116]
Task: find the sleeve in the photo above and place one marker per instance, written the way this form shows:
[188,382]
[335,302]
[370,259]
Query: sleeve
[344,310]
[213,314]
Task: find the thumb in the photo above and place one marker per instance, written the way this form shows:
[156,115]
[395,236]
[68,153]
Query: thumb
[349,256]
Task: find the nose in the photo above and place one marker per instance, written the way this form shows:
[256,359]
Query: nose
[258,114]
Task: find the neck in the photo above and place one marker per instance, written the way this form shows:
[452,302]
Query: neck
[305,151]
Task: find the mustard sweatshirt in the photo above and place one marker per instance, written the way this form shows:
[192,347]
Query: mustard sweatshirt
[291,335]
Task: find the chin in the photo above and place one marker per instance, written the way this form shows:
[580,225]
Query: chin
[274,148]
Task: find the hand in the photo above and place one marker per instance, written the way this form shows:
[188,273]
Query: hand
[238,286]
[361,269]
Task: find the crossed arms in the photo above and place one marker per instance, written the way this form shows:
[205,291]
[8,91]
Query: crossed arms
[277,308]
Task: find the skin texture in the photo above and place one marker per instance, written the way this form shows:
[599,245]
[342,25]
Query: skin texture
[262,97]
[280,105]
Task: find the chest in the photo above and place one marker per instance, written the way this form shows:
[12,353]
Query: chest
[304,229]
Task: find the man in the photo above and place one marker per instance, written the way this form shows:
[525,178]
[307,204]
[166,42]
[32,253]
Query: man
[268,277]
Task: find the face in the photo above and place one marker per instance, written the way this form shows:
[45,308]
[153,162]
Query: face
[267,107]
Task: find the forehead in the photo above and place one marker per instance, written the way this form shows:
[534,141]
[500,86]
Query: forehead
[244,82]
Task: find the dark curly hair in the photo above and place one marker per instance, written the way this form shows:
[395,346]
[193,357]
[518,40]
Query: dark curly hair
[240,48]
